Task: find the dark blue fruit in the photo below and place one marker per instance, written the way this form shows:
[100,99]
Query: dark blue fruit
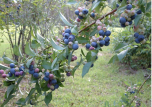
[107,33]
[31,67]
[80,17]
[77,12]
[68,74]
[75,46]
[12,65]
[67,31]
[22,68]
[56,86]
[140,38]
[101,33]
[47,74]
[102,42]
[66,41]
[54,81]
[92,65]
[130,23]
[85,11]
[66,35]
[107,43]
[123,25]
[117,5]
[88,46]
[31,71]
[133,17]
[10,74]
[36,75]
[46,78]
[137,41]
[107,39]
[94,44]
[12,70]
[122,20]
[139,12]
[136,35]
[70,39]
[92,15]
[129,6]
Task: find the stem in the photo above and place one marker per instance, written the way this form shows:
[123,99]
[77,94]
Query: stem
[140,88]
[98,19]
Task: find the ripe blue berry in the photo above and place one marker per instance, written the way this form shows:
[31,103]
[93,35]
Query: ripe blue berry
[137,41]
[67,31]
[56,86]
[66,35]
[85,11]
[54,81]
[75,46]
[68,74]
[36,75]
[107,43]
[122,20]
[77,12]
[94,44]
[12,65]
[47,74]
[107,39]
[88,46]
[101,33]
[66,41]
[140,38]
[123,25]
[22,68]
[102,42]
[12,70]
[31,67]
[129,6]
[46,78]
[10,74]
[139,12]
[107,33]
[92,65]
[92,15]
[130,23]
[136,35]
[117,5]
[31,71]
[133,17]
[80,17]
[70,39]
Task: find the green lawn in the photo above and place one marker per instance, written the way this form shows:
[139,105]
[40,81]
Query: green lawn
[104,82]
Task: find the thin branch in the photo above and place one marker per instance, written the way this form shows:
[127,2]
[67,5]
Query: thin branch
[98,19]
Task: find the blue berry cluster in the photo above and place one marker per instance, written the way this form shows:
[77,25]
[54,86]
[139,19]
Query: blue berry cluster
[81,13]
[33,70]
[69,39]
[138,37]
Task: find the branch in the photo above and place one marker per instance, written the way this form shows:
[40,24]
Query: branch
[141,87]
[98,19]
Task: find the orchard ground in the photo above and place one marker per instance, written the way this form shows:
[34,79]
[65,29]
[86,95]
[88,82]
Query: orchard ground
[104,82]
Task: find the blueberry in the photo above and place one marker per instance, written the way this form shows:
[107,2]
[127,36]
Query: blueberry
[18,8]
[31,71]
[137,41]
[101,33]
[46,78]
[36,75]
[12,65]
[66,41]
[88,46]
[75,46]
[85,11]
[67,31]
[102,42]
[92,65]
[77,12]
[107,33]
[68,74]
[122,20]
[66,35]
[10,74]
[123,25]
[107,43]
[136,35]
[7,6]
[96,57]
[133,17]
[73,36]
[94,44]
[117,5]
[140,38]
[129,6]
[47,74]
[17,74]
[22,68]
[12,70]
[80,17]
[92,15]
[54,81]
[56,86]
[139,12]
[70,39]
[130,23]
[107,39]
[31,67]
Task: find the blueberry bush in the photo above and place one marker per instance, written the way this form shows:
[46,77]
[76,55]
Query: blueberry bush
[47,59]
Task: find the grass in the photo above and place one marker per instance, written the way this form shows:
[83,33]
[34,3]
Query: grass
[104,82]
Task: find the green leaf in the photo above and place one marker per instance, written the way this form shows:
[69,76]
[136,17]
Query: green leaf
[148,14]
[70,57]
[29,62]
[48,98]
[88,56]
[120,46]
[86,68]
[122,54]
[38,88]
[30,94]
[82,53]
[53,63]
[56,68]
[46,65]
[94,32]
[21,101]
[74,30]
[137,19]
[71,2]
[64,20]
[55,46]
[142,8]
[9,89]
[28,50]
[7,100]
[7,60]
[17,51]
[41,40]
[35,44]
[82,40]
[95,4]
[148,6]
[113,59]
[3,67]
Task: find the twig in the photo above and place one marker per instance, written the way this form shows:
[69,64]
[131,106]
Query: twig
[140,88]
[99,19]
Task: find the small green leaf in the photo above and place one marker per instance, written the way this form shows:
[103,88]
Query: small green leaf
[38,88]
[86,68]
[70,57]
[137,19]
[120,46]
[65,20]
[46,65]
[88,56]
[94,32]
[148,7]
[148,14]
[28,50]
[53,63]
[29,62]
[122,54]
[9,89]
[82,53]
[3,67]
[95,4]
[7,60]
[17,51]
[74,30]
[48,98]
[30,94]
[142,8]
[7,100]
[55,46]
[113,59]
[82,40]
[21,101]
[70,2]
[35,44]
